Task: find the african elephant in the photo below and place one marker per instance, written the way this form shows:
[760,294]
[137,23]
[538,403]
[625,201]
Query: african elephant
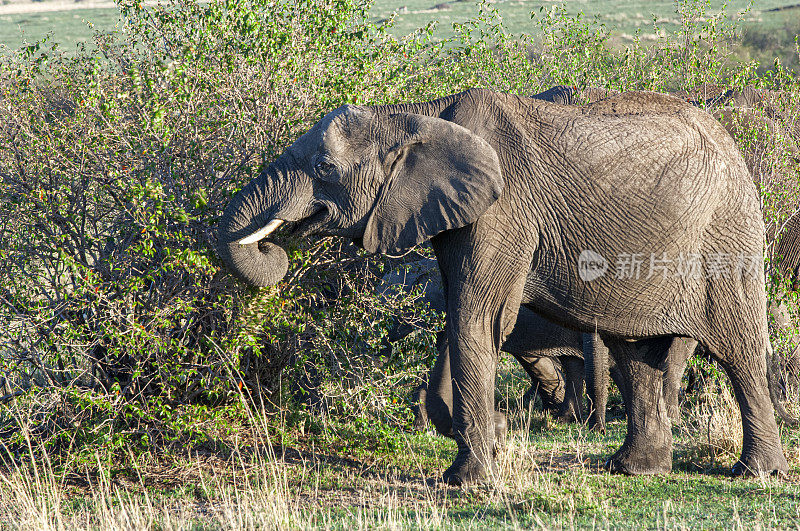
[521,200]
[753,121]
[776,105]
[787,274]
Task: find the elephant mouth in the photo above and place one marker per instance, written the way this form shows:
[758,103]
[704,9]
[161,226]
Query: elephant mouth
[298,229]
[312,223]
[262,233]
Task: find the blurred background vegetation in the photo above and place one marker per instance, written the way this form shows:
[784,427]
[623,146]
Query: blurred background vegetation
[767,28]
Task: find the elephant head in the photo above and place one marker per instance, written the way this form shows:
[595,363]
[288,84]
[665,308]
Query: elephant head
[388,180]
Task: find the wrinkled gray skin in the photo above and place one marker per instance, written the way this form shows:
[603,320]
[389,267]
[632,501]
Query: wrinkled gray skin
[596,365]
[741,113]
[510,191]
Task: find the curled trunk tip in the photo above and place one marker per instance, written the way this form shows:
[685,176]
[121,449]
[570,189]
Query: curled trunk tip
[262,267]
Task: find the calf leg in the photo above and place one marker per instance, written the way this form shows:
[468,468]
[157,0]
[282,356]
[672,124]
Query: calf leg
[571,409]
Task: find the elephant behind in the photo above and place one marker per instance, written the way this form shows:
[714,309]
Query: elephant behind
[552,356]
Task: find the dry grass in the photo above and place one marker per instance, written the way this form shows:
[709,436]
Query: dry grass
[267,504]
[714,426]
[547,476]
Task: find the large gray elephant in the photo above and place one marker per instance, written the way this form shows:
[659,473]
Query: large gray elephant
[522,200]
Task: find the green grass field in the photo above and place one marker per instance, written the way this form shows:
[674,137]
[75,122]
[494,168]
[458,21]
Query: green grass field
[69,28]
[623,18]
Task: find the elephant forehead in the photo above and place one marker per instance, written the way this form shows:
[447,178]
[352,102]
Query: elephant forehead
[349,128]
[340,131]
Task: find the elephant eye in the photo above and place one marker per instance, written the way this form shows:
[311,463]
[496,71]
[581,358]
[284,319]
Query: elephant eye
[324,168]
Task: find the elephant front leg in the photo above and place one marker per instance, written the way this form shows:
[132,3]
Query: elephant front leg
[484,275]
[472,365]
[648,444]
[434,402]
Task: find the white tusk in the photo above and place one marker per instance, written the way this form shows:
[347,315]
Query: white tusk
[261,233]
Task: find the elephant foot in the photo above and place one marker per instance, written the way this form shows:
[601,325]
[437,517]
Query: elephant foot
[596,425]
[770,460]
[468,469]
[655,461]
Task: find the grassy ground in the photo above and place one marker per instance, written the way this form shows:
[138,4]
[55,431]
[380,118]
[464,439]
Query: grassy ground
[549,477]
[343,473]
[623,17]
[70,28]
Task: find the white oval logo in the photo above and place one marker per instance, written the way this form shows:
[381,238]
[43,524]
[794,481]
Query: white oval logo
[591,266]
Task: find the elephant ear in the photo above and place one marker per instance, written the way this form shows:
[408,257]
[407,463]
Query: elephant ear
[439,176]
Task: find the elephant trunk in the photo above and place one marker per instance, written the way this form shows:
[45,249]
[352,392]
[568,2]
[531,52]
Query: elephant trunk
[256,211]
[264,266]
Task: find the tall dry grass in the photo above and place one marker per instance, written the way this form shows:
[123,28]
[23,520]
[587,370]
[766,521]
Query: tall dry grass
[532,487]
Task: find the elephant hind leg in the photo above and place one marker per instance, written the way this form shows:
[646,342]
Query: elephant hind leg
[744,358]
[439,394]
[546,380]
[571,409]
[647,448]
[793,368]
[418,408]
[679,352]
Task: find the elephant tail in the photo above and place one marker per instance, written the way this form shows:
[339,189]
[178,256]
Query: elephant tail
[774,388]
[595,356]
